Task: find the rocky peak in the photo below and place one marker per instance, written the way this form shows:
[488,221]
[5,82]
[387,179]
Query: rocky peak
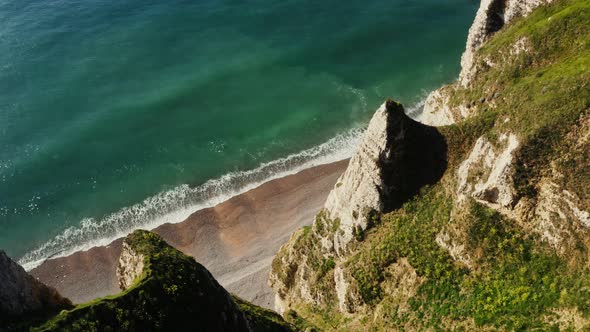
[396,157]
[21,294]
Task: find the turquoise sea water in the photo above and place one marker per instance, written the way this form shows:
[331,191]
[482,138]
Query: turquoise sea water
[124,114]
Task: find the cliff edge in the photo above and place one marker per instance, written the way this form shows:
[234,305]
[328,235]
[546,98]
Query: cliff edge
[499,240]
[163,289]
[491,17]
[396,157]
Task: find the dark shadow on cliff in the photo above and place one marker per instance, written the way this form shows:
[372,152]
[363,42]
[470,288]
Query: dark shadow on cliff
[25,300]
[416,156]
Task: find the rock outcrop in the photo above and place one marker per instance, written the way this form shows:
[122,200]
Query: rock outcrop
[559,219]
[130,266]
[436,110]
[166,290]
[396,157]
[21,294]
[491,17]
[486,174]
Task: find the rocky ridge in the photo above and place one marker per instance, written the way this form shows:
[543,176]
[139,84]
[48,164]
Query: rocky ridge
[163,289]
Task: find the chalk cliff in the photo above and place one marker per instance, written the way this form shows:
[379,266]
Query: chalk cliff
[491,17]
[495,237]
[396,157]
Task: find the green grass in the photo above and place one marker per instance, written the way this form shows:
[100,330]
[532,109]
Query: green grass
[173,293]
[262,319]
[544,92]
[315,318]
[515,281]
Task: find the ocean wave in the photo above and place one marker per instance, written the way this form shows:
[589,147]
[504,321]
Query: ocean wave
[176,205]
[416,110]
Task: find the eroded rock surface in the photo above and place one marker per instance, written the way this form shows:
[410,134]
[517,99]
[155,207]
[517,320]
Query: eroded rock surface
[396,157]
[437,111]
[130,266]
[486,174]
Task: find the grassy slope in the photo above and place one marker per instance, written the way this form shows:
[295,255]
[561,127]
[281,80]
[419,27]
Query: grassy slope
[543,92]
[518,282]
[262,319]
[172,294]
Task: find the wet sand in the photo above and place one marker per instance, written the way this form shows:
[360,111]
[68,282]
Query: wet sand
[236,240]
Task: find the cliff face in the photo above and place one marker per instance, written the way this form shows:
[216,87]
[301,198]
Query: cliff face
[501,240]
[396,157]
[130,267]
[21,294]
[491,17]
[165,290]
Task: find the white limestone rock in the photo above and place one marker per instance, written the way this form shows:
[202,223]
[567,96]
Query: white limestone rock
[486,174]
[559,217]
[341,288]
[491,17]
[130,266]
[349,300]
[360,187]
[396,157]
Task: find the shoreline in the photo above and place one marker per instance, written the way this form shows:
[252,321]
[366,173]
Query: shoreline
[235,240]
[177,204]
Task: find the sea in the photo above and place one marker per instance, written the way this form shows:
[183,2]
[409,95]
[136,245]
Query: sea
[118,115]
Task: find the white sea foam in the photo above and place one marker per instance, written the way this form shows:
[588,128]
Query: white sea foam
[415,110]
[176,205]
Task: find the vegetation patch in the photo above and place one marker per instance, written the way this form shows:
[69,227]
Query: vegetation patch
[174,293]
[261,319]
[539,94]
[516,281]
